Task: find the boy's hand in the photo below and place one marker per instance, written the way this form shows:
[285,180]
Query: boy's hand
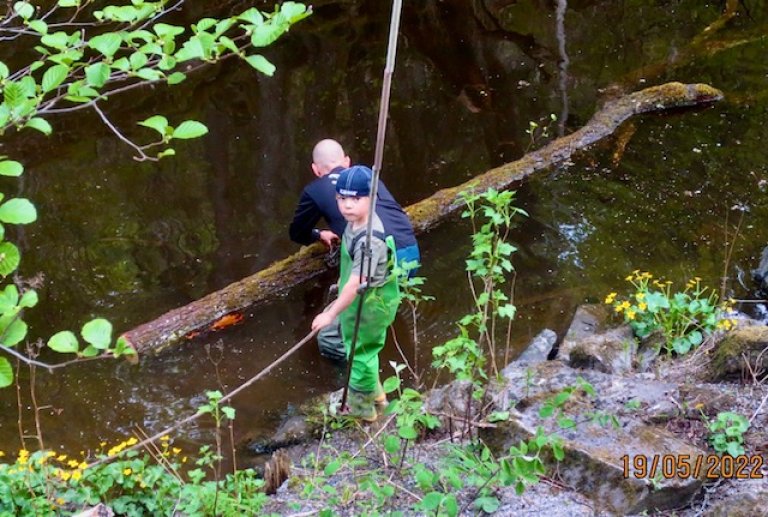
[322,320]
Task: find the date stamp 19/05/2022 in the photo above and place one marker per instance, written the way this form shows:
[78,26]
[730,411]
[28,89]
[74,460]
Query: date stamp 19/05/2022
[710,466]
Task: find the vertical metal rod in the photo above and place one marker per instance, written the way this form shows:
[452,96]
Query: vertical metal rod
[389,68]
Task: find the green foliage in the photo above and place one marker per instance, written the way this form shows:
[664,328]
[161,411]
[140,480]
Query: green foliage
[46,483]
[411,418]
[92,55]
[488,264]
[726,433]
[685,318]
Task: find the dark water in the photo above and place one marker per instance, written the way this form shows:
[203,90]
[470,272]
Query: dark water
[129,241]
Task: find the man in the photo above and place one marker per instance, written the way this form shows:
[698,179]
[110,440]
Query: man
[318,200]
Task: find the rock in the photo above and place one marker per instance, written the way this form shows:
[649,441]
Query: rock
[760,275]
[451,400]
[100,510]
[538,350]
[294,430]
[610,352]
[743,349]
[596,457]
[587,321]
[741,505]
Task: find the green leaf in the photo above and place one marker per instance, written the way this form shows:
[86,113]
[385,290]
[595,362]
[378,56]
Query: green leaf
[487,504]
[163,30]
[69,3]
[18,211]
[13,93]
[229,412]
[9,298]
[122,64]
[97,74]
[98,332]
[24,9]
[29,299]
[138,60]
[9,258]
[189,129]
[15,332]
[391,444]
[432,501]
[90,351]
[205,24]
[167,63]
[149,74]
[64,342]
[391,384]
[57,40]
[166,152]
[293,11]
[4,70]
[408,433]
[265,35]
[176,78]
[565,422]
[39,26]
[498,416]
[261,64]
[11,168]
[54,76]
[40,124]
[107,44]
[252,16]
[332,468]
[6,373]
[157,122]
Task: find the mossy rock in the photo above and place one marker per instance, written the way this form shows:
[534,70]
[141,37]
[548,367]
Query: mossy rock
[742,349]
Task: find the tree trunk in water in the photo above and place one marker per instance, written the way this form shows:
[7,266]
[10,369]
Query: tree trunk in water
[308,262]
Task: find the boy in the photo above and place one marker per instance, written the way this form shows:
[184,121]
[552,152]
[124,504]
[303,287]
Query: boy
[353,189]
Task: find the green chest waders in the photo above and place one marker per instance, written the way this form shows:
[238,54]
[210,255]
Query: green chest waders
[378,313]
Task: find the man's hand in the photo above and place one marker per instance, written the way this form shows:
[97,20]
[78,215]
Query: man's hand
[328,238]
[322,320]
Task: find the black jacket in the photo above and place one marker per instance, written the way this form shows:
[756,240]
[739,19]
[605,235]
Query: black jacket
[319,200]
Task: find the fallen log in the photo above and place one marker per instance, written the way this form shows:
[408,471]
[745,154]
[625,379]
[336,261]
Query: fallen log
[308,262]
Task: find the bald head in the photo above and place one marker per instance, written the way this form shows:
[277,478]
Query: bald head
[326,156]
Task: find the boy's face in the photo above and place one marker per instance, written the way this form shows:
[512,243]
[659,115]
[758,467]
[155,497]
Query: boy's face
[354,209]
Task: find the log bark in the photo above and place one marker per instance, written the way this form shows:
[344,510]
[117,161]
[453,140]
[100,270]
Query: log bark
[174,325]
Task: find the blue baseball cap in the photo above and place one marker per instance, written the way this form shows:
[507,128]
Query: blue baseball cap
[355,181]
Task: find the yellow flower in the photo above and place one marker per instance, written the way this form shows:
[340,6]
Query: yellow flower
[2,454]
[642,306]
[184,459]
[62,457]
[176,450]
[60,501]
[610,298]
[700,405]
[629,278]
[639,296]
[165,438]
[127,472]
[102,444]
[72,463]
[625,304]
[618,308]
[83,465]
[132,441]
[631,314]
[77,474]
[65,475]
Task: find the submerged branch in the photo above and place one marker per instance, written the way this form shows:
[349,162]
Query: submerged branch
[308,262]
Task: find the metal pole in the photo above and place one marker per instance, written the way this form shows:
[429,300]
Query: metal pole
[389,68]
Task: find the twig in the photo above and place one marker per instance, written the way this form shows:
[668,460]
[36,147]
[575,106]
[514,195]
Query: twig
[50,367]
[223,399]
[142,155]
[402,354]
[759,408]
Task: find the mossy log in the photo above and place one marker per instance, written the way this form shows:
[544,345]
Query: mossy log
[308,262]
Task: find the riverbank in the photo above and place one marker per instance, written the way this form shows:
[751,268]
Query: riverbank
[635,432]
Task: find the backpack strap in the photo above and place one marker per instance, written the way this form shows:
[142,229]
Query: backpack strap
[379,235]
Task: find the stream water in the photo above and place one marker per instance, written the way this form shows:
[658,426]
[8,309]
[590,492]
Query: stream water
[128,241]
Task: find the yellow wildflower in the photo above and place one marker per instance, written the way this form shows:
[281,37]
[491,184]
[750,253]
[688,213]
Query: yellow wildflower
[72,463]
[165,438]
[65,475]
[60,501]
[184,459]
[639,296]
[636,272]
[102,444]
[630,314]
[618,308]
[83,465]
[625,304]
[2,454]
[642,306]
[700,405]
[132,441]
[61,458]
[127,472]
[629,278]
[76,474]
[176,450]
[610,298]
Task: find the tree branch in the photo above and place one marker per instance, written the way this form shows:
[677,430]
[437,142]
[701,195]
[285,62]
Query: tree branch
[142,155]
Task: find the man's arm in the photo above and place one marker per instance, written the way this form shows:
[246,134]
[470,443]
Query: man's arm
[304,220]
